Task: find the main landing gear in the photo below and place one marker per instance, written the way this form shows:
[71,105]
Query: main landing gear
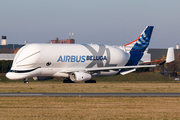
[90,81]
[26,80]
[67,80]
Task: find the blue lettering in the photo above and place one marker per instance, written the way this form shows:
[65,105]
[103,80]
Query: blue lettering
[105,58]
[68,58]
[72,58]
[83,58]
[91,57]
[77,59]
[87,58]
[94,58]
[97,57]
[65,60]
[60,59]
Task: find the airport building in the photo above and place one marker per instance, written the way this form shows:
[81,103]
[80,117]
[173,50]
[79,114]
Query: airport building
[8,48]
[157,53]
[3,40]
[71,40]
[67,41]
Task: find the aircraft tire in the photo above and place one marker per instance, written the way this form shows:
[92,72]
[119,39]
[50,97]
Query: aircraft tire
[26,80]
[90,81]
[67,81]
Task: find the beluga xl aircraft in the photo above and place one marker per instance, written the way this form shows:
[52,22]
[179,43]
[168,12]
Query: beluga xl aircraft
[79,62]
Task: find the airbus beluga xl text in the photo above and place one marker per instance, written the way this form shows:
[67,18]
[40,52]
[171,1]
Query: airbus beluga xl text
[78,62]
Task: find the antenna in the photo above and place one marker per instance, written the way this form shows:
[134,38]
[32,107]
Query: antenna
[69,35]
[72,36]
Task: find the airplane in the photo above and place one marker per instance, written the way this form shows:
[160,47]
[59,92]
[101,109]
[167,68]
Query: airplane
[78,62]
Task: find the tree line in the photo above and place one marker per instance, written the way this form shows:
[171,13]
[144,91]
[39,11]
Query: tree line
[5,65]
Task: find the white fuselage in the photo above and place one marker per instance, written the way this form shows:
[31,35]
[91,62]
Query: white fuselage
[59,60]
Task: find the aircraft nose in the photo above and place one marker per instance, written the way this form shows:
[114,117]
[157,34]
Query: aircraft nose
[16,76]
[11,76]
[8,75]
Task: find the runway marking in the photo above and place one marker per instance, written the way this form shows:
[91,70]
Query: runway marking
[19,94]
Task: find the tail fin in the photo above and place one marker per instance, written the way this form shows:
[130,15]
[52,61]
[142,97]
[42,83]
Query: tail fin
[140,45]
[170,55]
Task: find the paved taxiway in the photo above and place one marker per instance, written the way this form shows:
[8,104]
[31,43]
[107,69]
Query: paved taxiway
[94,94]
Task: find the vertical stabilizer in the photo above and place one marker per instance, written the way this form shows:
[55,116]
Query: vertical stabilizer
[140,46]
[170,55]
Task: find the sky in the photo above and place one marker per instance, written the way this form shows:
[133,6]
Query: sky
[111,22]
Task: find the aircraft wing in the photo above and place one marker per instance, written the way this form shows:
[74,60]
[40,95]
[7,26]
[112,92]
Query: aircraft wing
[130,68]
[118,67]
[70,70]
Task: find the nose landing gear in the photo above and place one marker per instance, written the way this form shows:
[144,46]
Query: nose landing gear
[26,80]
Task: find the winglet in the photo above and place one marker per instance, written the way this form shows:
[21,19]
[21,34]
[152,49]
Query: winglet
[170,55]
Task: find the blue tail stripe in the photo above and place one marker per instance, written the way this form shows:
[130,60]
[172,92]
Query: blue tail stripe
[138,49]
[140,46]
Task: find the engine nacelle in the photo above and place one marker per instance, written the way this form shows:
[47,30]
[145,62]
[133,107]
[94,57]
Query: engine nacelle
[80,76]
[41,78]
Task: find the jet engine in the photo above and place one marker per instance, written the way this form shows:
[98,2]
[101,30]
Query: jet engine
[41,78]
[80,76]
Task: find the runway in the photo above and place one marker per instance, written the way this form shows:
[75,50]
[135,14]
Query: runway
[92,94]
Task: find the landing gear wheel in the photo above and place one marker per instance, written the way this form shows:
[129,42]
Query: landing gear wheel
[67,81]
[26,80]
[90,81]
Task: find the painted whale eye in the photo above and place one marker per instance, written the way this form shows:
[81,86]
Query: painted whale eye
[48,63]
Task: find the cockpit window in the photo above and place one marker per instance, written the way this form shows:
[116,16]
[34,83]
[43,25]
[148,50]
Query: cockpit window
[23,71]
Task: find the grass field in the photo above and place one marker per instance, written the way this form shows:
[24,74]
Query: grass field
[82,87]
[135,82]
[90,108]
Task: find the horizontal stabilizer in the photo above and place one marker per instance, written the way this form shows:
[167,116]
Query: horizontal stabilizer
[170,55]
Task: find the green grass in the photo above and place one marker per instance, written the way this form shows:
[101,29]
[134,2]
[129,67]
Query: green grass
[134,82]
[90,108]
